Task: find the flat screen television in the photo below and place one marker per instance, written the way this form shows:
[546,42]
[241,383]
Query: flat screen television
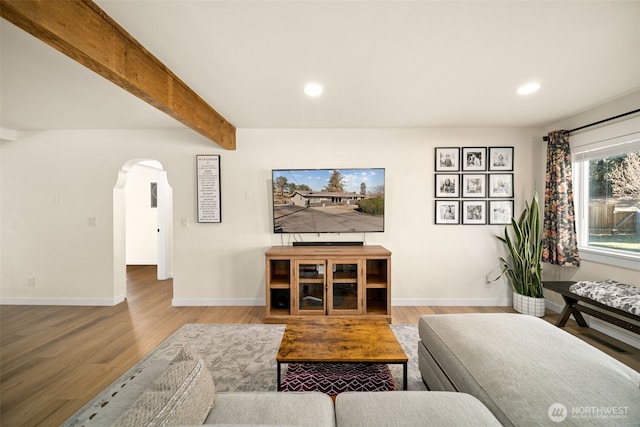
[328,200]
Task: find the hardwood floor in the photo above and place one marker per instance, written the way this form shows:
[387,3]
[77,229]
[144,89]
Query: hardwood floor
[54,359]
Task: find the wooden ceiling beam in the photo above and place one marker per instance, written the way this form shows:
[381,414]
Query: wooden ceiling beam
[85,33]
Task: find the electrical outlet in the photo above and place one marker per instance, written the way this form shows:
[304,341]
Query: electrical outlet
[487,283]
[31,281]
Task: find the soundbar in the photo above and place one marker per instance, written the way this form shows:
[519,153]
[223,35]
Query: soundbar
[328,244]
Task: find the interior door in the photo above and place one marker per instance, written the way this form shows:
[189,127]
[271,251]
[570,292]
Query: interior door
[165,230]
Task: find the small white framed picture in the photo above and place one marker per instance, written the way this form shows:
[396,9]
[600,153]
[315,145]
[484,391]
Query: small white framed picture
[500,158]
[447,211]
[474,158]
[447,159]
[474,185]
[447,185]
[474,212]
[500,211]
[501,185]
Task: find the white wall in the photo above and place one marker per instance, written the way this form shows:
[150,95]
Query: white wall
[431,264]
[53,183]
[46,209]
[1,214]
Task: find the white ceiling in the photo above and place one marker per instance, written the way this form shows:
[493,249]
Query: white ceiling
[382,63]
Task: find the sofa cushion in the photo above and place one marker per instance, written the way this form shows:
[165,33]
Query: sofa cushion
[183,394]
[411,408]
[521,367]
[311,409]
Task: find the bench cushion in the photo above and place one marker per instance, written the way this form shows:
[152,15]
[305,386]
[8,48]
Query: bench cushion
[519,366]
[611,293]
[411,408]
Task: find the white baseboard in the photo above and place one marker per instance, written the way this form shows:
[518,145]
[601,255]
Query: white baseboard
[554,306]
[102,302]
[196,302]
[606,328]
[454,302]
[200,302]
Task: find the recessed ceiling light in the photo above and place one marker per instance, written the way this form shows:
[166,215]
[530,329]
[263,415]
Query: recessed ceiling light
[313,89]
[528,88]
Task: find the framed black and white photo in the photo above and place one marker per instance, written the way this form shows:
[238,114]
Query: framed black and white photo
[500,158]
[447,185]
[501,185]
[474,158]
[447,159]
[447,211]
[474,185]
[500,211]
[474,212]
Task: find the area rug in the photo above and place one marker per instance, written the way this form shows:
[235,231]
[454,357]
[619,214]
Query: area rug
[336,378]
[239,357]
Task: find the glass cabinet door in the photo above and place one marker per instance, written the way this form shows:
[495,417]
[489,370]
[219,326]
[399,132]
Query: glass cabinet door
[344,285]
[311,298]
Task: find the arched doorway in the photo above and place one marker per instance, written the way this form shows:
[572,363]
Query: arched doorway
[154,179]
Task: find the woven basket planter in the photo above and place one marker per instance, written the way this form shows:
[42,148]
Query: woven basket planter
[528,305]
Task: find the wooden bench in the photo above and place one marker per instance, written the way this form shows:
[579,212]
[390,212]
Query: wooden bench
[575,304]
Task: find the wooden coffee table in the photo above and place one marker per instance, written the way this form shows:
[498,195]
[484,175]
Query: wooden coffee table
[340,340]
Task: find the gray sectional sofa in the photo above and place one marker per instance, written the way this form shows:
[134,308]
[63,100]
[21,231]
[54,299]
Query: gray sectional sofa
[183,393]
[527,371]
[481,369]
[411,409]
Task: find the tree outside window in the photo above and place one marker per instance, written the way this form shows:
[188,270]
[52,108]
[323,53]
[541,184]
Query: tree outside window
[614,202]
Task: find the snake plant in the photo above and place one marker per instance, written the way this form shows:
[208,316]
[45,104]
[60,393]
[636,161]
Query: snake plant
[524,252]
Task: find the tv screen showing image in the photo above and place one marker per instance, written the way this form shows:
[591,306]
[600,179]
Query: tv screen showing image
[328,200]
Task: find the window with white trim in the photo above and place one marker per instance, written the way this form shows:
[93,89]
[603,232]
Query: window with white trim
[607,199]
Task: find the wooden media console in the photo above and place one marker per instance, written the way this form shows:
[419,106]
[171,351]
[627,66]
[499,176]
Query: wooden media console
[306,281]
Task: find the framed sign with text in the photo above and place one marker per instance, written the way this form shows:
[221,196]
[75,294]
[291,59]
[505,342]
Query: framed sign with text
[208,177]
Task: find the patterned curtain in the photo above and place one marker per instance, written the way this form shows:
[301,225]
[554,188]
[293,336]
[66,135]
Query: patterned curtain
[559,240]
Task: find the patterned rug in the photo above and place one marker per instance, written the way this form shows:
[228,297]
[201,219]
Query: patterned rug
[240,358]
[336,378]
